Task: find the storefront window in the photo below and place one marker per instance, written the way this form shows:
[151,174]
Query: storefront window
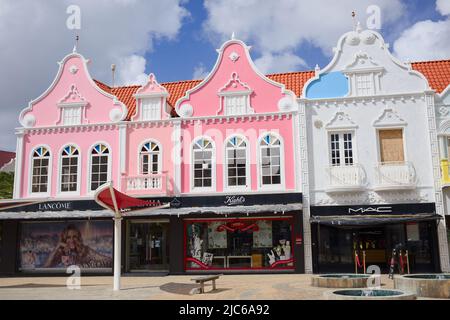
[375,244]
[239,244]
[58,245]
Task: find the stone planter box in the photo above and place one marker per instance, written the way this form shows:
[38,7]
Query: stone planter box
[340,280]
[425,285]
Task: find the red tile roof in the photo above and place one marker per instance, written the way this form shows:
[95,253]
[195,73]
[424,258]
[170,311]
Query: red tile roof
[5,157]
[437,73]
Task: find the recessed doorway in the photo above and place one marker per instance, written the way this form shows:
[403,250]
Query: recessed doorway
[147,246]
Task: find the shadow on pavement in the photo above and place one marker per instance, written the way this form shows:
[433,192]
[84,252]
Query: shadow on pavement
[187,288]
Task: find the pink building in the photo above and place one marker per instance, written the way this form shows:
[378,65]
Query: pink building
[223,151]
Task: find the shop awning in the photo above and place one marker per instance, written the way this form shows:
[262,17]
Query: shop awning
[122,204]
[367,220]
[224,210]
[9,204]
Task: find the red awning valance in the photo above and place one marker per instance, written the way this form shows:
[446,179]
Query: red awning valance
[120,203]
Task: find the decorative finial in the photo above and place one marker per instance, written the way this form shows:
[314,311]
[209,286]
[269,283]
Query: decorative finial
[232,36]
[77,38]
[354,19]
[113,69]
[358,27]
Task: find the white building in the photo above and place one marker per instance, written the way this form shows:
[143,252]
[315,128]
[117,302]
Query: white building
[371,164]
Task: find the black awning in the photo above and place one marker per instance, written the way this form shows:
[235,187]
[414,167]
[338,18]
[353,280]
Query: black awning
[369,220]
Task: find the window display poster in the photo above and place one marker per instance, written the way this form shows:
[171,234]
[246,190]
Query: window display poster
[263,237]
[195,242]
[216,239]
[412,232]
[54,245]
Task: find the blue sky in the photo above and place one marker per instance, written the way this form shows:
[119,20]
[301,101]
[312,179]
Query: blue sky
[176,60]
[177,39]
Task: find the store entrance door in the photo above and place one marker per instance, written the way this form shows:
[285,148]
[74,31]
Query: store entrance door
[147,246]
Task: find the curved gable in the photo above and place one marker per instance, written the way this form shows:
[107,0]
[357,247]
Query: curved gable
[73,86]
[233,67]
[364,52]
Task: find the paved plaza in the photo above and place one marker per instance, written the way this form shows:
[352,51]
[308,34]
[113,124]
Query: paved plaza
[229,287]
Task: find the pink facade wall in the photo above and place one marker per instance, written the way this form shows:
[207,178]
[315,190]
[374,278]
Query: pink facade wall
[253,131]
[161,134]
[56,141]
[206,101]
[99,103]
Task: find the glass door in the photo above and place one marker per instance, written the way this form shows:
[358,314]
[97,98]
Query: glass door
[147,246]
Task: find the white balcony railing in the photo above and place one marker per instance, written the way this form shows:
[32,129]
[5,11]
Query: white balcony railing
[346,178]
[395,175]
[146,184]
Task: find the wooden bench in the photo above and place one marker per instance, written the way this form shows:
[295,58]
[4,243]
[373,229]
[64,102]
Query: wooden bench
[204,279]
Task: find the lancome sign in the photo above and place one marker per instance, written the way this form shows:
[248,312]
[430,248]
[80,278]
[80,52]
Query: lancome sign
[55,206]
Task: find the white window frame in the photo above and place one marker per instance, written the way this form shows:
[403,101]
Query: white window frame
[71,108]
[60,165]
[155,112]
[341,134]
[248,181]
[213,166]
[89,155]
[366,78]
[32,194]
[80,106]
[271,187]
[160,157]
[234,97]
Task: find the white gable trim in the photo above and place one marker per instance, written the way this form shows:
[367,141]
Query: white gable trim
[216,66]
[58,77]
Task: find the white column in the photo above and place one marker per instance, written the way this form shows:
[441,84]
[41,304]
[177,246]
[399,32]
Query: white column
[122,154]
[176,156]
[441,229]
[303,142]
[443,147]
[117,252]
[19,164]
[297,150]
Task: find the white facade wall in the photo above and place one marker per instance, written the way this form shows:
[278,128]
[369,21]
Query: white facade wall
[398,98]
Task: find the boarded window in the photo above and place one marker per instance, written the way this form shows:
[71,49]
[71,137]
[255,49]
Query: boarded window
[391,145]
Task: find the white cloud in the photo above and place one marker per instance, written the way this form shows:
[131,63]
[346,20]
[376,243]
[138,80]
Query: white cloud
[131,70]
[285,62]
[276,28]
[425,40]
[443,7]
[200,72]
[34,36]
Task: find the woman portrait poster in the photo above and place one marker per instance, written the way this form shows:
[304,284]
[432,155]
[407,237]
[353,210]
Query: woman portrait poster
[62,244]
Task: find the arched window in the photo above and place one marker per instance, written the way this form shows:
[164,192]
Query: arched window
[203,163]
[99,166]
[270,160]
[236,162]
[150,158]
[40,171]
[69,169]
